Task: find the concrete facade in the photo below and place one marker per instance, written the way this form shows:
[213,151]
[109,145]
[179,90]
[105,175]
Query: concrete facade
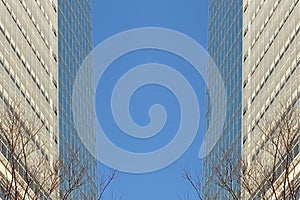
[29,65]
[271,69]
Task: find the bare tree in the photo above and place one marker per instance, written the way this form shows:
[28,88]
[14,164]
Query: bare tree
[26,171]
[104,182]
[73,175]
[227,173]
[194,181]
[271,171]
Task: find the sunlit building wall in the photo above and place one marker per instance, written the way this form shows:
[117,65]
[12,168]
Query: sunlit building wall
[271,70]
[29,70]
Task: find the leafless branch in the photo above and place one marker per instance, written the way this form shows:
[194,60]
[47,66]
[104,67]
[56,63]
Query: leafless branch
[105,181]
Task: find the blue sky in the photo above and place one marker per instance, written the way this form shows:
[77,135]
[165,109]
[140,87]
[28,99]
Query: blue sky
[189,17]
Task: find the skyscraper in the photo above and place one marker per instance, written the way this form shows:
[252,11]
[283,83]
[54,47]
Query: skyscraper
[225,48]
[74,43]
[256,46]
[42,44]
[271,81]
[28,78]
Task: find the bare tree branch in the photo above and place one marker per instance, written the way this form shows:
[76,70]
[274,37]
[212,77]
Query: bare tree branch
[105,181]
[194,181]
[270,173]
[28,171]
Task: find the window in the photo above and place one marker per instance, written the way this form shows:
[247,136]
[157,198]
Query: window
[4,150]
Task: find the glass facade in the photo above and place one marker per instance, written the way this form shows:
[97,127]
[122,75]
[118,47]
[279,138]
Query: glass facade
[74,43]
[225,48]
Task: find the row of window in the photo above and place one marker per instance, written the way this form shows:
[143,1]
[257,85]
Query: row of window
[264,25]
[228,51]
[4,97]
[230,24]
[77,16]
[21,169]
[270,70]
[209,186]
[77,41]
[26,36]
[74,43]
[279,170]
[33,20]
[26,95]
[225,46]
[291,104]
[42,9]
[83,157]
[29,70]
[258,8]
[40,6]
[295,98]
[222,10]
[273,37]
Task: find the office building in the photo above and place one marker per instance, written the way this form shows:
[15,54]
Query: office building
[74,43]
[42,45]
[271,82]
[225,48]
[28,78]
[256,45]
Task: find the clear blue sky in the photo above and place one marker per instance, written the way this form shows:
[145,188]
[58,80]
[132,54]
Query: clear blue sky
[189,17]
